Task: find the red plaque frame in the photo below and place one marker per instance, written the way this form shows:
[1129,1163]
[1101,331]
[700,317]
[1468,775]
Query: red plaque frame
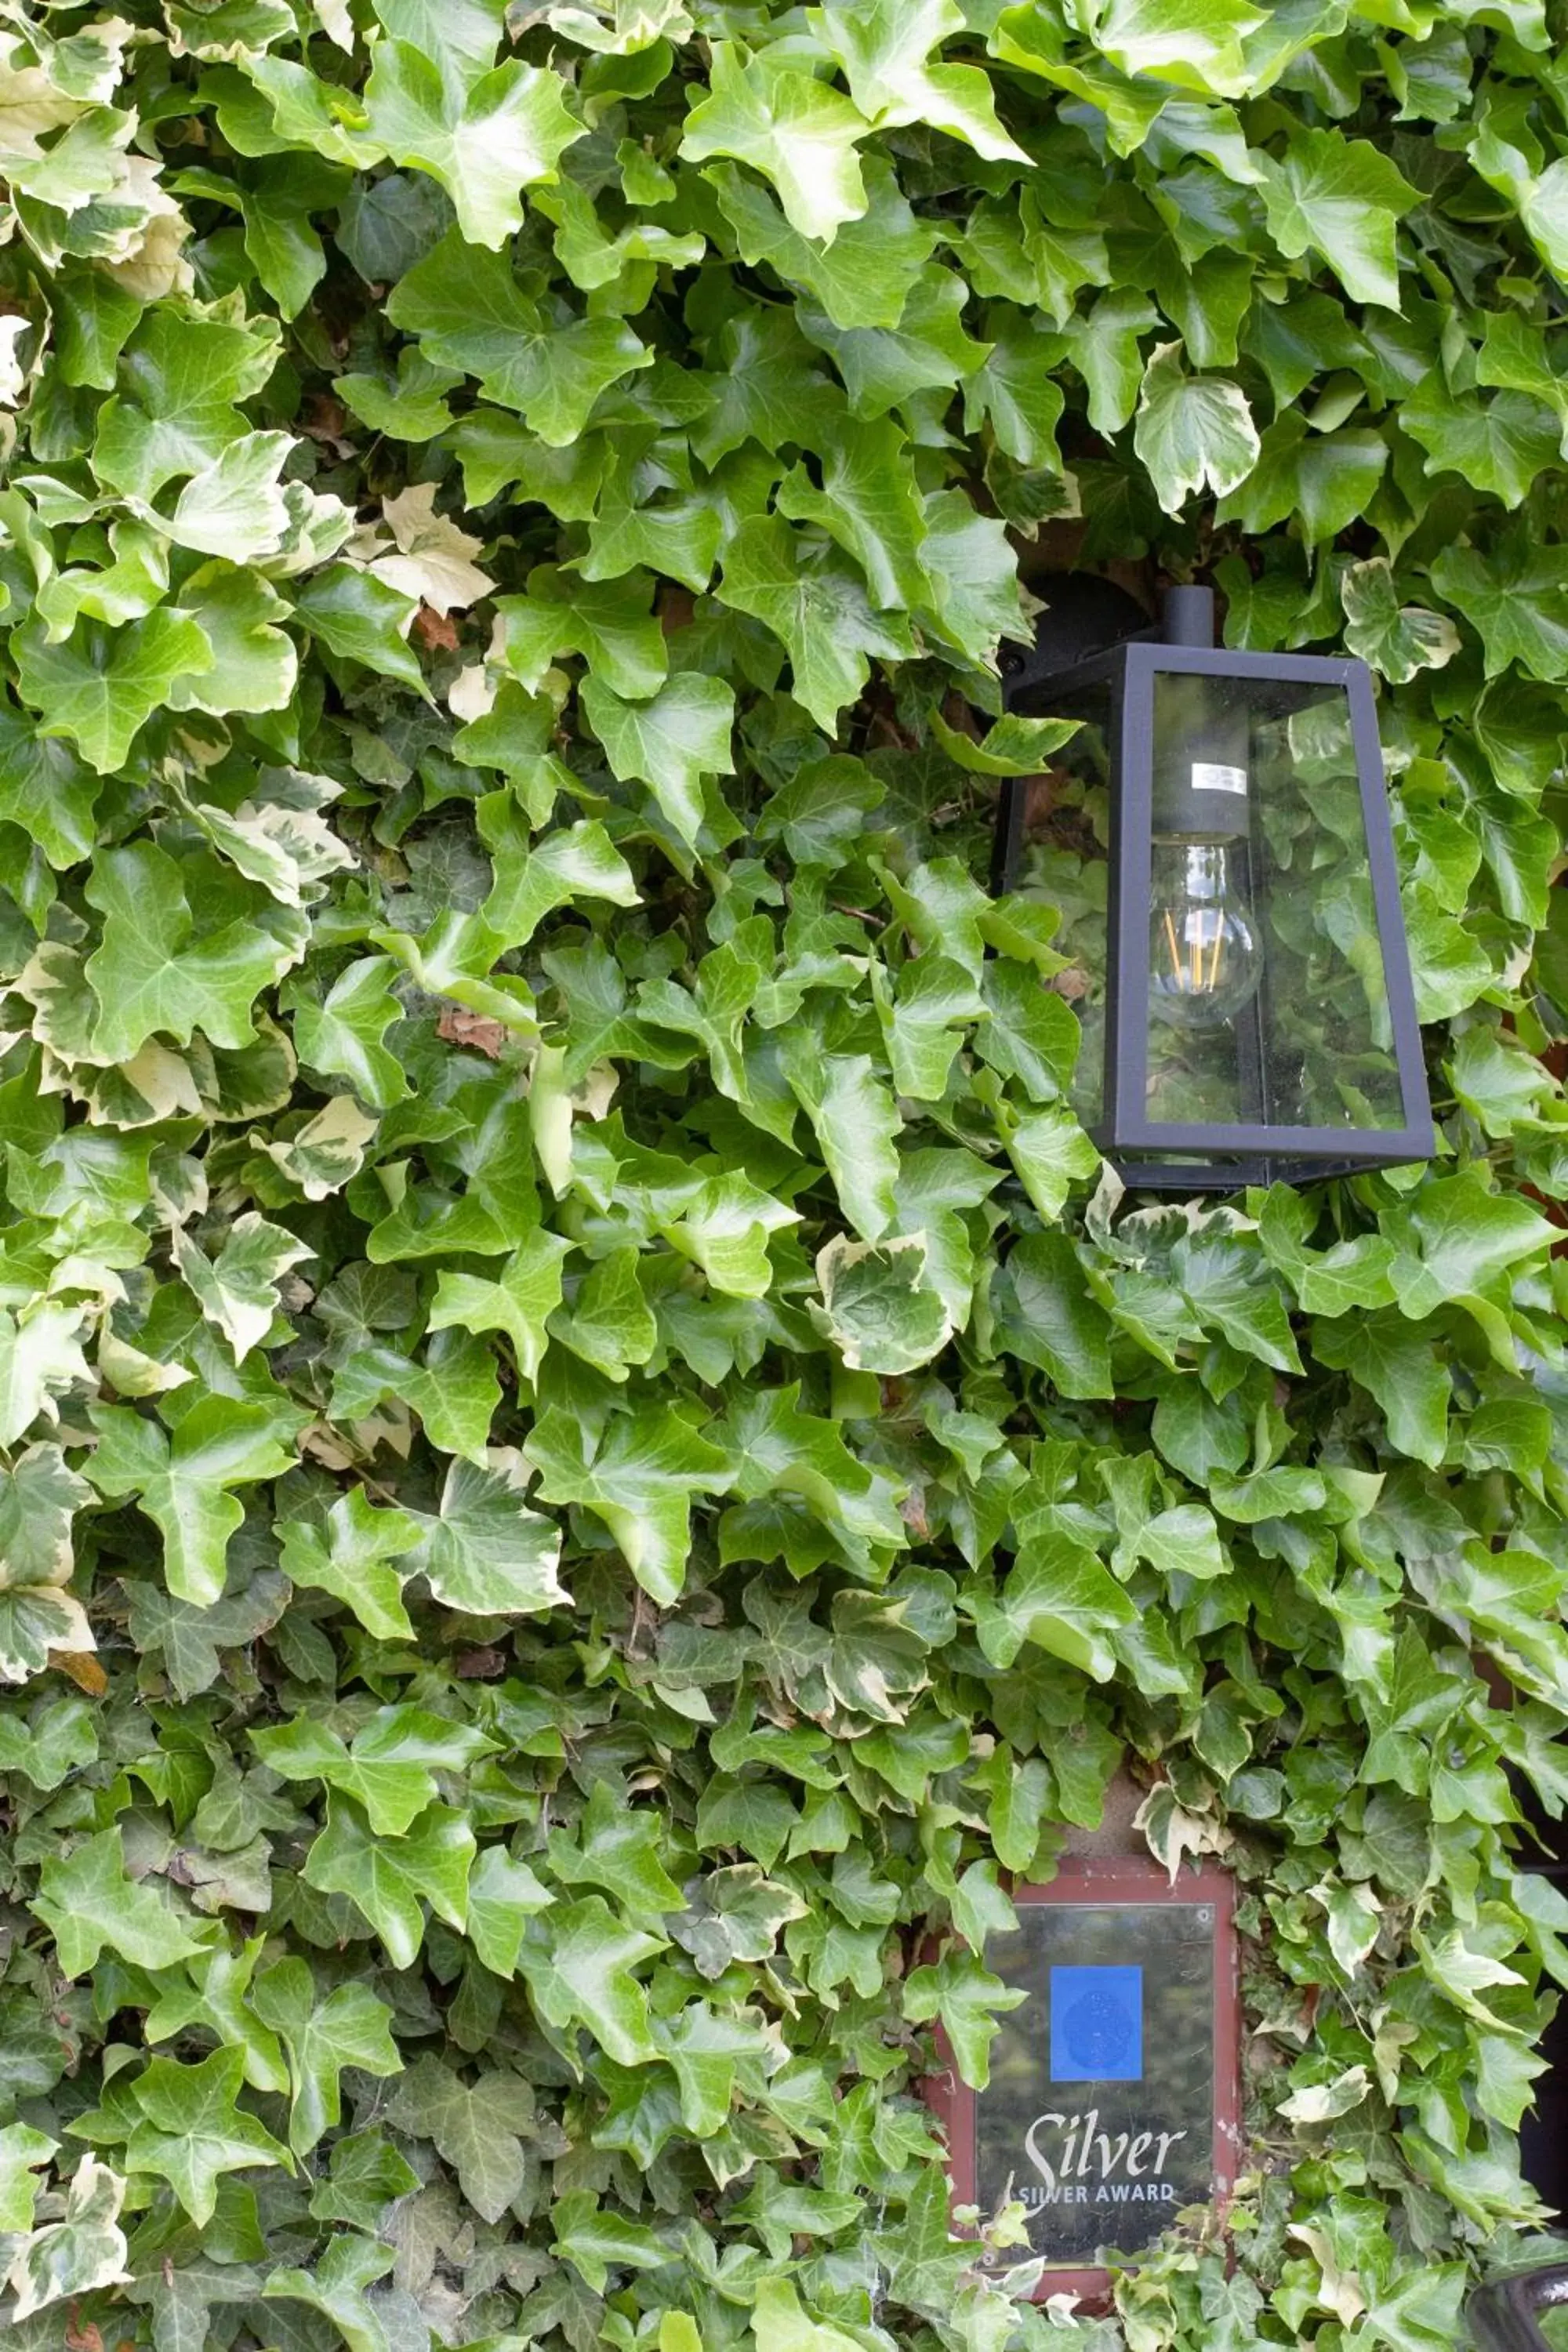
[1106,1882]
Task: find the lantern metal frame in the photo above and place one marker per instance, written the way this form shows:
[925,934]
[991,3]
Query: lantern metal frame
[1502,2314]
[1233,1154]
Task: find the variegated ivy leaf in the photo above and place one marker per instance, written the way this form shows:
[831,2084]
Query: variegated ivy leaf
[1192,432]
[40,1357]
[878,1307]
[322,1155]
[278,836]
[1395,639]
[237,1290]
[84,2251]
[434,558]
[40,1497]
[623,29]
[22,2151]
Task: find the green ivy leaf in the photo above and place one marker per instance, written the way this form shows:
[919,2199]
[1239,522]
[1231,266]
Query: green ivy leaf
[818,609]
[356,616]
[969,2002]
[616,1849]
[469,312]
[1500,445]
[1466,1235]
[1061,1597]
[885,50]
[182,1481]
[580,1972]
[1051,1153]
[670,742]
[483,137]
[533,878]
[483,1552]
[46,789]
[159,967]
[639,1481]
[1396,1365]
[857,1124]
[799,132]
[1051,1319]
[389,1883]
[1517,602]
[88,1902]
[474,2129]
[336,2288]
[181,379]
[863,278]
[1181,41]
[386,1768]
[348,1554]
[349,2028]
[1328,480]
[342,1036]
[99,686]
[1342,198]
[870,502]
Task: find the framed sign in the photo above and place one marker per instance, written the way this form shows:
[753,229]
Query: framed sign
[1114,2097]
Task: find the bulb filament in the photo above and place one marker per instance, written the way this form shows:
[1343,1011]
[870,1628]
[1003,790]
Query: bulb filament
[1190,978]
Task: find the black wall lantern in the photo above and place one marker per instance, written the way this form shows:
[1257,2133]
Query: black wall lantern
[1249,1013]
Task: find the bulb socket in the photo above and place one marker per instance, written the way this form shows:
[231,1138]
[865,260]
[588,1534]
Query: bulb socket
[1203,764]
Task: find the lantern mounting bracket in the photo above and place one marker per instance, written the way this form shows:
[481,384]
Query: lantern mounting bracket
[1082,614]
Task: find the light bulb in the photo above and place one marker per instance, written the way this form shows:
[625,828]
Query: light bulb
[1205,957]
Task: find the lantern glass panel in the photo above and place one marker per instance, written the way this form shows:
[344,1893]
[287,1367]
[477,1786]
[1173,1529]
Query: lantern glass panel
[1269,1002]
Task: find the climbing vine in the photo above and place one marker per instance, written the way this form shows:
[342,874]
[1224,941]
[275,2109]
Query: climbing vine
[592,1465]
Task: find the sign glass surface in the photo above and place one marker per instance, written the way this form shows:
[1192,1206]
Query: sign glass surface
[1101,2112]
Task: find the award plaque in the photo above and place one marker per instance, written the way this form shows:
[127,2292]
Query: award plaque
[1114,2095]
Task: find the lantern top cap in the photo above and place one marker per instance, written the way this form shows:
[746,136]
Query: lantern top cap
[1187,615]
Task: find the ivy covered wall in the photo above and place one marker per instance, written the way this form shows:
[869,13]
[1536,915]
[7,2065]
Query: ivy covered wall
[591,1459]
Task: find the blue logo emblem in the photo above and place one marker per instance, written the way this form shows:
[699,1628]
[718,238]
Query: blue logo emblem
[1097,2025]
